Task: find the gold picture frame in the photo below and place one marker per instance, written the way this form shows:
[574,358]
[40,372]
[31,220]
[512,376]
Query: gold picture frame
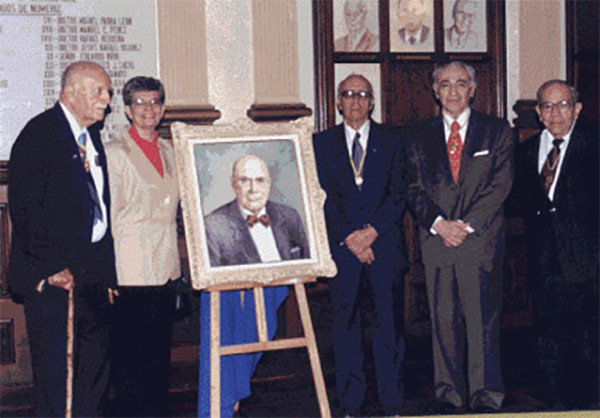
[205,155]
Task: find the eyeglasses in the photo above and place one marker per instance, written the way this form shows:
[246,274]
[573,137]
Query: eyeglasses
[562,106]
[360,95]
[141,102]
[258,181]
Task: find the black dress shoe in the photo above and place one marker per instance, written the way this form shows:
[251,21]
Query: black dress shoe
[484,409]
[444,408]
[391,411]
[351,412]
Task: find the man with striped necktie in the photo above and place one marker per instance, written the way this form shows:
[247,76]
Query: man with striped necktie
[61,241]
[557,186]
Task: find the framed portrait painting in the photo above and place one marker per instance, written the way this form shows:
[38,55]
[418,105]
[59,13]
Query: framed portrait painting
[411,26]
[465,28]
[251,203]
[356,26]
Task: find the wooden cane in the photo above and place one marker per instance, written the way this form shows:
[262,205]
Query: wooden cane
[70,338]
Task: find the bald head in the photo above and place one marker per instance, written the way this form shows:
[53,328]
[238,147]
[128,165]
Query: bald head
[86,90]
[251,182]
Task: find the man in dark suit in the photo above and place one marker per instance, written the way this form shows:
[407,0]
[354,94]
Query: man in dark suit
[360,166]
[231,238]
[250,229]
[557,182]
[457,193]
[61,240]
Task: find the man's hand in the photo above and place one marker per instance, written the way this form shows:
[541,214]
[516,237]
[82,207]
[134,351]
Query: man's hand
[112,294]
[361,240]
[367,256]
[453,233]
[62,279]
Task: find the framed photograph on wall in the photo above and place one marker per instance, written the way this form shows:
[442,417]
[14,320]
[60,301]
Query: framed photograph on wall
[356,25]
[251,202]
[411,26]
[372,73]
[465,28]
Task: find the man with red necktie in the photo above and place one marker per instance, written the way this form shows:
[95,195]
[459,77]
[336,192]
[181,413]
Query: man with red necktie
[459,172]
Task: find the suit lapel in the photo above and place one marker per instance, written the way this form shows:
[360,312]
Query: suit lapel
[436,150]
[570,157]
[340,158]
[472,143]
[278,228]
[247,246]
[142,164]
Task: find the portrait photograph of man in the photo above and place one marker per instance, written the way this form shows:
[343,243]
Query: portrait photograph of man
[411,25]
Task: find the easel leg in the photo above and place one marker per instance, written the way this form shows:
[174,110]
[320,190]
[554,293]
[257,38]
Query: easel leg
[313,353]
[215,355]
[259,309]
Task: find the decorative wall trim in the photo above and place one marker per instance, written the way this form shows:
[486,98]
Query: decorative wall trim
[192,115]
[277,112]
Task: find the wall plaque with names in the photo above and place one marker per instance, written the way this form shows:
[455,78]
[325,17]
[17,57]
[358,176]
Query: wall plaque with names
[39,38]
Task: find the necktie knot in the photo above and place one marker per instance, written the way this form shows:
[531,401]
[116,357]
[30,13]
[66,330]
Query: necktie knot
[264,219]
[455,127]
[550,165]
[82,139]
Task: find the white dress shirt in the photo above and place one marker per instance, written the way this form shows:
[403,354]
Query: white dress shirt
[463,122]
[364,136]
[99,228]
[546,146]
[263,238]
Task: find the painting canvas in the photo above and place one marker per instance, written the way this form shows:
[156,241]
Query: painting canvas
[232,175]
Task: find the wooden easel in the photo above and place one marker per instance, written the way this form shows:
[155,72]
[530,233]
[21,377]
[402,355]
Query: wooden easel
[263,344]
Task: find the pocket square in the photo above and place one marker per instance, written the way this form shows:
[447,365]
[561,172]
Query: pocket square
[481,153]
[295,253]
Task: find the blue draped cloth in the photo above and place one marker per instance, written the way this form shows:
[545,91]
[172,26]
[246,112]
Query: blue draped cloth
[238,325]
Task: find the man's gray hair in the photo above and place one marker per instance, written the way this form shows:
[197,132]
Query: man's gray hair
[573,90]
[354,75]
[456,64]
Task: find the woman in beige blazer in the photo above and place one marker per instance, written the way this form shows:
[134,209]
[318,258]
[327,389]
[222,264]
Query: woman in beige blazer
[144,200]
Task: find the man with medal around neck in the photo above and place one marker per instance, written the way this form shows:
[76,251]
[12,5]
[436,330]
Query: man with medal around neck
[363,212]
[459,172]
[61,241]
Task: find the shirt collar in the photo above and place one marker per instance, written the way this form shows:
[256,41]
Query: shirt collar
[547,136]
[462,119]
[73,124]
[136,135]
[417,35]
[246,212]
